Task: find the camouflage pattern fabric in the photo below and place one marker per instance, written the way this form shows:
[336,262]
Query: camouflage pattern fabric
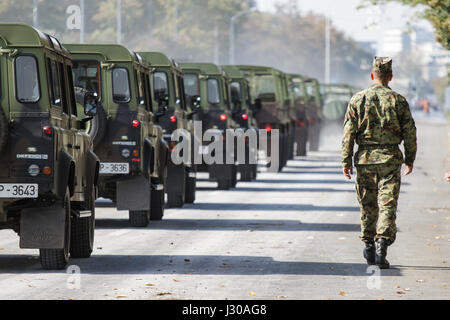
[382,65]
[378,188]
[378,120]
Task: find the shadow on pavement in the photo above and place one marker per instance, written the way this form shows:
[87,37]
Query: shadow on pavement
[252,189]
[230,224]
[309,181]
[267,207]
[192,265]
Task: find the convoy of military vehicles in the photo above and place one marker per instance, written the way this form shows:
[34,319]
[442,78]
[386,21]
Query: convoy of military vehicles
[84,121]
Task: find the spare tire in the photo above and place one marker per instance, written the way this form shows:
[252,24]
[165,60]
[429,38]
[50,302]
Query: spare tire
[97,126]
[3,130]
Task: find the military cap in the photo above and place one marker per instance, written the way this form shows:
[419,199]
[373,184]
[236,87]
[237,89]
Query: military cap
[382,65]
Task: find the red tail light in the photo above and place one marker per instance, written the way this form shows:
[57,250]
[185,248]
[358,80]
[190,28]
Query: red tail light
[245,116]
[47,130]
[223,117]
[135,123]
[173,119]
[268,128]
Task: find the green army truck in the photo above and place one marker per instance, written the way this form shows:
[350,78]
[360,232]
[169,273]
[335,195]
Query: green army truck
[242,113]
[131,147]
[168,92]
[297,93]
[270,96]
[314,112]
[48,172]
[208,81]
[336,98]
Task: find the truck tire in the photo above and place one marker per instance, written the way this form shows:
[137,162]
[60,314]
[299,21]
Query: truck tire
[175,200]
[247,174]
[139,219]
[234,180]
[3,130]
[57,259]
[157,205]
[82,234]
[191,186]
[223,184]
[255,171]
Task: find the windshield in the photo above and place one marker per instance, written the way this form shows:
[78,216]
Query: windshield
[86,75]
[213,91]
[160,85]
[121,85]
[27,80]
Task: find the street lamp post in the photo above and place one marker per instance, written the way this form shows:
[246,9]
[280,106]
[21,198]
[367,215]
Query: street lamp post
[119,21]
[232,22]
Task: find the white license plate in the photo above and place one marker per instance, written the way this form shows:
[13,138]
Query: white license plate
[18,190]
[114,168]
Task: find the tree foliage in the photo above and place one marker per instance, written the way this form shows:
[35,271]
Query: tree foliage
[199,30]
[435,11]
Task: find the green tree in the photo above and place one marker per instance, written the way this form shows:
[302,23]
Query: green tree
[435,11]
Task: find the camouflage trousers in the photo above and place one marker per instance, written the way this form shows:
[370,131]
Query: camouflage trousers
[378,188]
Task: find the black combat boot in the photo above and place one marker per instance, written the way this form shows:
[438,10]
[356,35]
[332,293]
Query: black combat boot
[369,252]
[381,252]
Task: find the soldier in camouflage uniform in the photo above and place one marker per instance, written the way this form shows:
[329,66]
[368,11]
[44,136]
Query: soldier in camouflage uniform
[378,120]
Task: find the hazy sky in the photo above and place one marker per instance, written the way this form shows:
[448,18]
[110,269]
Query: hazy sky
[347,18]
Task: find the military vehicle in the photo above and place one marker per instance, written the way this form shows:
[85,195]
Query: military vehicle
[49,173]
[131,147]
[270,96]
[297,92]
[336,98]
[168,91]
[314,112]
[208,81]
[242,113]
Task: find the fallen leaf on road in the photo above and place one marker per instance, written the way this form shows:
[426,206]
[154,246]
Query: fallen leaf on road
[400,292]
[406,289]
[138,279]
[149,285]
[175,280]
[251,293]
[187,260]
[431,245]
[163,293]
[420,281]
[121,297]
[380,299]
[437,237]
[282,297]
[342,293]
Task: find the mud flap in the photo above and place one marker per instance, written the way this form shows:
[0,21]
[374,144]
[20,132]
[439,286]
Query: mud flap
[133,194]
[175,179]
[43,228]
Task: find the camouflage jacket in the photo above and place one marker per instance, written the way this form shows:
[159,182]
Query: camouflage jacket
[378,119]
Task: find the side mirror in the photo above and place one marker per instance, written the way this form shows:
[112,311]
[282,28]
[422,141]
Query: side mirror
[90,105]
[163,101]
[195,103]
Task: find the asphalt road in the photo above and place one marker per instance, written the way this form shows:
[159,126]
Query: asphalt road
[291,235]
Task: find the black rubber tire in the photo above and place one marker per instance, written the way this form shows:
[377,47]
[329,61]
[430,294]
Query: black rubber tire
[223,184]
[175,200]
[57,259]
[191,186]
[82,234]
[157,205]
[247,175]
[139,219]
[255,172]
[3,130]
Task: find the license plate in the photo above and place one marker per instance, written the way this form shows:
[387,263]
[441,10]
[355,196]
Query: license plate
[114,168]
[18,190]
